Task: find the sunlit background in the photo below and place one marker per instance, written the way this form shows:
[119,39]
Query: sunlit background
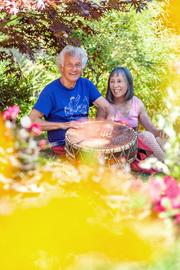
[55,216]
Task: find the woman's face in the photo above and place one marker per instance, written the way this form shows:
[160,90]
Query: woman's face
[118,85]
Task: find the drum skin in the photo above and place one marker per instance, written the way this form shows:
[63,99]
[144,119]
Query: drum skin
[121,144]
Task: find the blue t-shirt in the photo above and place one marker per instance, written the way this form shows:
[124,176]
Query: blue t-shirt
[60,104]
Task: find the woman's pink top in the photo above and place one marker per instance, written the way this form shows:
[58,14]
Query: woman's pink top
[132,117]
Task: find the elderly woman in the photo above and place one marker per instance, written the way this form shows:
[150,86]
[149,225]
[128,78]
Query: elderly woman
[67,99]
[130,110]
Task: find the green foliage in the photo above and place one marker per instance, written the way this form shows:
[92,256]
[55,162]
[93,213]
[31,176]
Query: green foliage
[23,86]
[32,25]
[170,126]
[137,41]
[169,262]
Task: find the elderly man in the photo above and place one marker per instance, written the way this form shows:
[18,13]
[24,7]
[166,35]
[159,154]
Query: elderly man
[67,99]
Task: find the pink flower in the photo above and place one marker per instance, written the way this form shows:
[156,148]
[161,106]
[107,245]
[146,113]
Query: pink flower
[11,113]
[35,128]
[176,203]
[172,189]
[42,144]
[156,189]
[165,194]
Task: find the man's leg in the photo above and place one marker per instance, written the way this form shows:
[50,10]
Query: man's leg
[59,150]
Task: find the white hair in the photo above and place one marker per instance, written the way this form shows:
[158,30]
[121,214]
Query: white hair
[74,51]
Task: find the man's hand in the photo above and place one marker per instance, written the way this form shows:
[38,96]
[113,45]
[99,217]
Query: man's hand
[107,129]
[73,124]
[106,110]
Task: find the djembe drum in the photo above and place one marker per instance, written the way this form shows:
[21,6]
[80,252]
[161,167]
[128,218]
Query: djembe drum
[120,145]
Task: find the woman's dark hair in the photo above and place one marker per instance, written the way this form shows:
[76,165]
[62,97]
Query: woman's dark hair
[130,91]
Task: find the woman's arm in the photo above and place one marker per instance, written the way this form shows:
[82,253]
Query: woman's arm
[147,123]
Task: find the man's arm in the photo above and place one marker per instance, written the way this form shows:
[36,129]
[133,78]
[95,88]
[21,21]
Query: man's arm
[105,109]
[36,116]
[101,114]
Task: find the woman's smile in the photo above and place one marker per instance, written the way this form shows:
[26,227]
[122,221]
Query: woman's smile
[118,85]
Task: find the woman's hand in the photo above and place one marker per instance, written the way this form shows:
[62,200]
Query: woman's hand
[161,134]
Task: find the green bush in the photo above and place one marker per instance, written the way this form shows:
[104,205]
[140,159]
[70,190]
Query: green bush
[22,83]
[137,41]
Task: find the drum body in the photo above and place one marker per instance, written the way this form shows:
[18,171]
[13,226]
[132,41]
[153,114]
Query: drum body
[120,145]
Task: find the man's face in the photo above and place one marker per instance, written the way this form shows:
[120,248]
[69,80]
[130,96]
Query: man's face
[71,70]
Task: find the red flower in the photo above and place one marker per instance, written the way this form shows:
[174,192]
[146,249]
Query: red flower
[158,207]
[35,128]
[177,219]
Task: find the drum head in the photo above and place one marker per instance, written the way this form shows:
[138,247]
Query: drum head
[89,137]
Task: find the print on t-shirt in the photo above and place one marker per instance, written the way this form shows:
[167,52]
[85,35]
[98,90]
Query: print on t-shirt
[75,107]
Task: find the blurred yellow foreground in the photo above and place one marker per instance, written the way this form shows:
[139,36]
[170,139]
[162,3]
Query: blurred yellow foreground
[80,219]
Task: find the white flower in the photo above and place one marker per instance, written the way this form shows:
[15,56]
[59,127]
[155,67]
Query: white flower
[9,124]
[25,121]
[171,93]
[32,144]
[23,134]
[170,132]
[148,163]
[161,122]
[145,165]
[166,202]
